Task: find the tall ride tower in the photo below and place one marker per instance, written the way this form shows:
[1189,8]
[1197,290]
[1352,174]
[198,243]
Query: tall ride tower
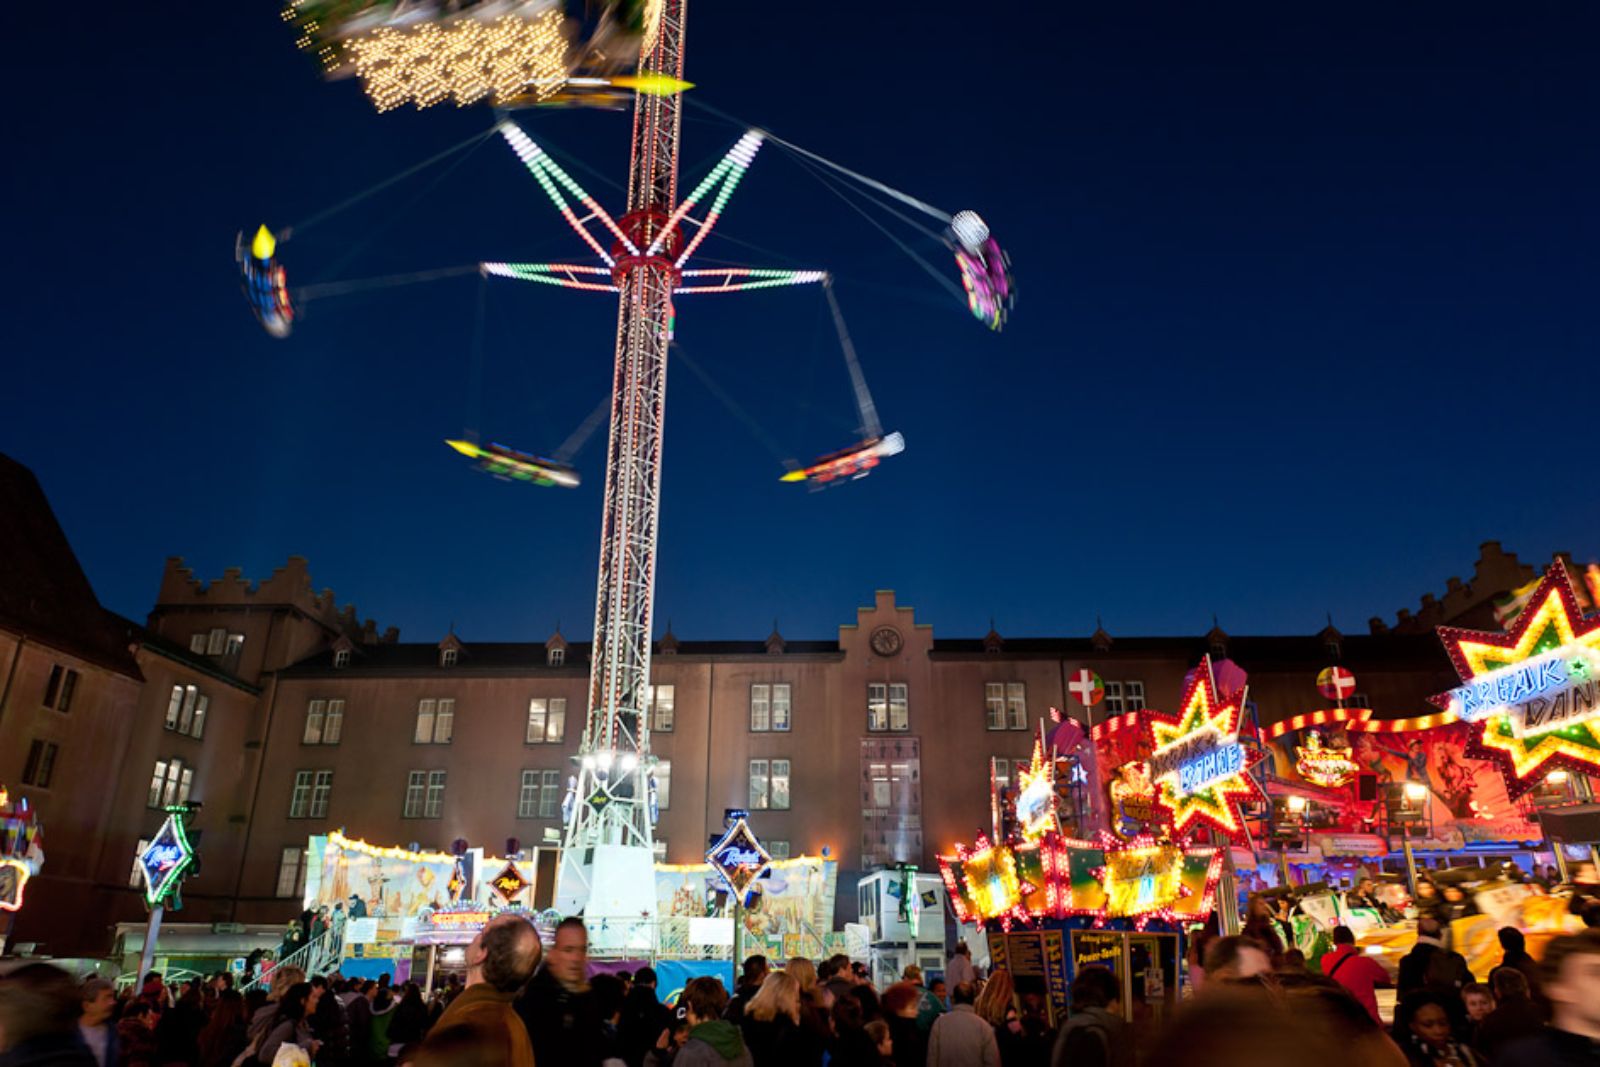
[606,864]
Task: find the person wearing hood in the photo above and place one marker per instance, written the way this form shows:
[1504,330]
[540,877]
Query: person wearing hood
[713,1041]
[39,1008]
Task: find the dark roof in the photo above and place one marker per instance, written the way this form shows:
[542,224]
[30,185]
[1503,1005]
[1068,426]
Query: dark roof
[519,656]
[44,593]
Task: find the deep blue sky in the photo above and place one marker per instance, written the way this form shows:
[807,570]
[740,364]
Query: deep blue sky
[1307,313]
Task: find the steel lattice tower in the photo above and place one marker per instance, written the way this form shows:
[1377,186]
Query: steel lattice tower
[611,802]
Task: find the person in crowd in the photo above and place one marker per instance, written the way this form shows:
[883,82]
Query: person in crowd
[1514,954]
[1310,1022]
[1358,973]
[644,1017]
[136,1034]
[1585,899]
[40,1009]
[293,937]
[815,1006]
[608,992]
[500,960]
[997,1006]
[877,1032]
[1457,905]
[753,973]
[935,1002]
[379,1047]
[1429,903]
[410,1023]
[98,1001]
[330,1026]
[770,1023]
[557,1006]
[1424,1029]
[1516,1014]
[712,1040]
[1293,962]
[357,1003]
[284,978]
[851,1046]
[1235,958]
[1094,1034]
[178,1032]
[1364,895]
[224,1036]
[960,1038]
[902,1006]
[836,975]
[290,1024]
[1570,972]
[1261,926]
[461,1046]
[1416,965]
[960,968]
[1478,999]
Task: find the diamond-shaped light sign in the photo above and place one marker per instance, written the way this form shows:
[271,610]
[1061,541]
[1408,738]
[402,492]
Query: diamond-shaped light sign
[739,858]
[509,883]
[165,860]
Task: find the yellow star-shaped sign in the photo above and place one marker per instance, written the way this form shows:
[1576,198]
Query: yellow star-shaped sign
[1036,795]
[1551,628]
[1206,724]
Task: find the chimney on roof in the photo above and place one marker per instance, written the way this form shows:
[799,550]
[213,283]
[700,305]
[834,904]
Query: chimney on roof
[992,641]
[1100,640]
[775,642]
[668,645]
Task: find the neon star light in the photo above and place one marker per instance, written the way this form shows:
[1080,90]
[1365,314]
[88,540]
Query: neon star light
[1200,767]
[1535,689]
[165,860]
[1036,795]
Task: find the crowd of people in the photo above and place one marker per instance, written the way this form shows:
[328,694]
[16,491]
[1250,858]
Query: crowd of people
[521,1004]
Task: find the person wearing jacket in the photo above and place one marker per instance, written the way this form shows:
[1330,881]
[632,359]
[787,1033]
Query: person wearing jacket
[290,1024]
[713,1041]
[960,1037]
[1094,1034]
[558,1007]
[500,960]
[771,1024]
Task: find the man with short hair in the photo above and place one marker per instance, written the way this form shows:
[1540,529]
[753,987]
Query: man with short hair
[961,1037]
[500,960]
[557,1006]
[960,968]
[644,1017]
[713,1041]
[99,1000]
[1360,974]
[1236,958]
[1571,978]
[1094,1033]
[1416,965]
[753,974]
[1514,954]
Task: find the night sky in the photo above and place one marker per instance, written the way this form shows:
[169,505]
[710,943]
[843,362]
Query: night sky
[1306,314]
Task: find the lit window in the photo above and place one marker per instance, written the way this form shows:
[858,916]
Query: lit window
[186,710]
[136,872]
[447,657]
[435,721]
[549,794]
[170,783]
[778,850]
[424,795]
[292,872]
[341,657]
[41,764]
[528,795]
[1114,698]
[663,774]
[555,657]
[877,706]
[760,708]
[1016,706]
[1002,771]
[547,720]
[663,705]
[994,705]
[759,790]
[780,707]
[899,707]
[333,726]
[780,784]
[197,643]
[882,788]
[316,712]
[310,797]
[216,641]
[234,647]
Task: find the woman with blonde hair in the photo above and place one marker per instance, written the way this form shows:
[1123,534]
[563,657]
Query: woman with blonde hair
[815,1031]
[997,1006]
[771,1020]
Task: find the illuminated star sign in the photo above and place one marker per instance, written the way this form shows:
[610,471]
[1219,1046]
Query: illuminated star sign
[739,858]
[1036,794]
[1200,766]
[1535,689]
[165,860]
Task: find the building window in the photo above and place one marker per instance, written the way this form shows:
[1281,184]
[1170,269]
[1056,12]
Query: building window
[424,795]
[436,721]
[663,776]
[41,764]
[658,848]
[549,794]
[994,705]
[310,797]
[169,783]
[778,850]
[1002,771]
[59,689]
[136,872]
[769,707]
[234,647]
[888,707]
[891,786]
[448,656]
[1358,700]
[528,795]
[216,641]
[341,657]
[1016,706]
[1113,698]
[555,657]
[1133,696]
[292,872]
[663,705]
[324,722]
[186,711]
[769,784]
[197,643]
[547,720]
